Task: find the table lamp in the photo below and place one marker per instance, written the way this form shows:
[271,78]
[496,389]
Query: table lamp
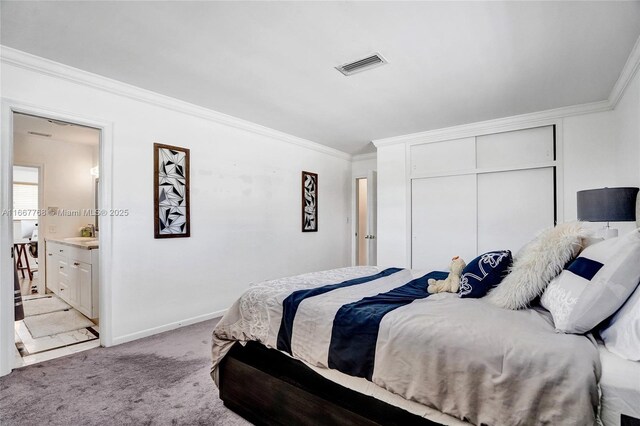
[608,205]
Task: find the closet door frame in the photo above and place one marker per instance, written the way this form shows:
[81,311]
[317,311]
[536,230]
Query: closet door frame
[475,131]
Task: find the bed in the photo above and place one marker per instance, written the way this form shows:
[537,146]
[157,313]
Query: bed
[314,351]
[620,385]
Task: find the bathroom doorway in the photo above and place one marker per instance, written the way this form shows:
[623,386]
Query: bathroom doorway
[27,199]
[60,295]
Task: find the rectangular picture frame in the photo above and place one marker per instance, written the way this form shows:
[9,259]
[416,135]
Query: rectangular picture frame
[309,202]
[171,203]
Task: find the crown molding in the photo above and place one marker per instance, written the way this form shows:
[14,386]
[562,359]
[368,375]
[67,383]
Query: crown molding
[54,69]
[496,125]
[626,75]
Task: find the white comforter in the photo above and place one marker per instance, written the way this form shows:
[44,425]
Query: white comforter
[463,357]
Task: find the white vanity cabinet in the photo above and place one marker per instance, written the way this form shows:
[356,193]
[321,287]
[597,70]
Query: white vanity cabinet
[72,274]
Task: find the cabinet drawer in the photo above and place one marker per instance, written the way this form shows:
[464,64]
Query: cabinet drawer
[69,252]
[52,248]
[65,293]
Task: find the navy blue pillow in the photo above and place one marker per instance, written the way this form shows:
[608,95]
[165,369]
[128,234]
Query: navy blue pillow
[483,273]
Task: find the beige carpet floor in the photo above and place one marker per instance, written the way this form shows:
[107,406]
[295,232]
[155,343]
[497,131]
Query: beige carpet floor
[159,380]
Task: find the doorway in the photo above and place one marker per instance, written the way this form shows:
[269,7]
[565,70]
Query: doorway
[361,221]
[56,203]
[27,199]
[366,223]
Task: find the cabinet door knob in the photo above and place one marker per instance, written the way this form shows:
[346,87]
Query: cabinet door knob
[50,254]
[76,264]
[61,250]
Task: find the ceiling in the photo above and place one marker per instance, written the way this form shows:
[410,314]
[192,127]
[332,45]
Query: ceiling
[59,130]
[272,63]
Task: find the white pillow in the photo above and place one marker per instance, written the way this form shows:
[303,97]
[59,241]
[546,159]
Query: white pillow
[595,285]
[622,335]
[537,264]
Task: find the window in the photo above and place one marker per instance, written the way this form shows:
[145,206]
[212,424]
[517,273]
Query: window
[25,201]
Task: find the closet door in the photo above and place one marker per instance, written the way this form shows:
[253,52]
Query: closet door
[513,206]
[443,218]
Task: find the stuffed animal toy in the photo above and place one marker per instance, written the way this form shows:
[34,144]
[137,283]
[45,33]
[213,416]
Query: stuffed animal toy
[452,282]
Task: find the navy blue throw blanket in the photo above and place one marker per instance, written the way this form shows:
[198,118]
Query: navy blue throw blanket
[355,327]
[291,303]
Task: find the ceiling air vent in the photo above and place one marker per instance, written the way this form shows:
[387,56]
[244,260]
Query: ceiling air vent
[370,62]
[44,135]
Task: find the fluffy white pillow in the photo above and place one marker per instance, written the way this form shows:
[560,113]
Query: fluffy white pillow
[622,335]
[595,285]
[537,264]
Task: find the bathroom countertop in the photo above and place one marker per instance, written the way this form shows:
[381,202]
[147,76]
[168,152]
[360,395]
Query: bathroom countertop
[86,245]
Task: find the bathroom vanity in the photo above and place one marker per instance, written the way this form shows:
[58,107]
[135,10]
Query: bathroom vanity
[72,272]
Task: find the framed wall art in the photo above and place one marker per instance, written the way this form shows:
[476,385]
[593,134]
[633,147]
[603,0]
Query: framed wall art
[171,191]
[309,202]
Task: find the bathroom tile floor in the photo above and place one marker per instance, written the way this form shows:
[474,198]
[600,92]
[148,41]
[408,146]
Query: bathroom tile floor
[30,350]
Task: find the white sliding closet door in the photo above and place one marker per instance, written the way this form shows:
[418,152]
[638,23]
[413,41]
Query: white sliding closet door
[513,206]
[443,217]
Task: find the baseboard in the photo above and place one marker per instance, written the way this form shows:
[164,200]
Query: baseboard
[167,327]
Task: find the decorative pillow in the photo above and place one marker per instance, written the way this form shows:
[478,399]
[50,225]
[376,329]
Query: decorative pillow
[483,273]
[595,285]
[537,264]
[622,335]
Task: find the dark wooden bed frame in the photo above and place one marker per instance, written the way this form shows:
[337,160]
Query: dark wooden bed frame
[267,387]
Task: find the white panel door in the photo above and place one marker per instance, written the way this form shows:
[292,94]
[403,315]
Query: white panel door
[517,148]
[446,156]
[443,221]
[513,206]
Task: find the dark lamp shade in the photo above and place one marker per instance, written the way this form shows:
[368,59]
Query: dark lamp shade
[607,205]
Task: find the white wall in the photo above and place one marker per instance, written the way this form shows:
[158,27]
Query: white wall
[362,165]
[626,118]
[589,156]
[603,149]
[245,205]
[67,184]
[393,194]
[626,131]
